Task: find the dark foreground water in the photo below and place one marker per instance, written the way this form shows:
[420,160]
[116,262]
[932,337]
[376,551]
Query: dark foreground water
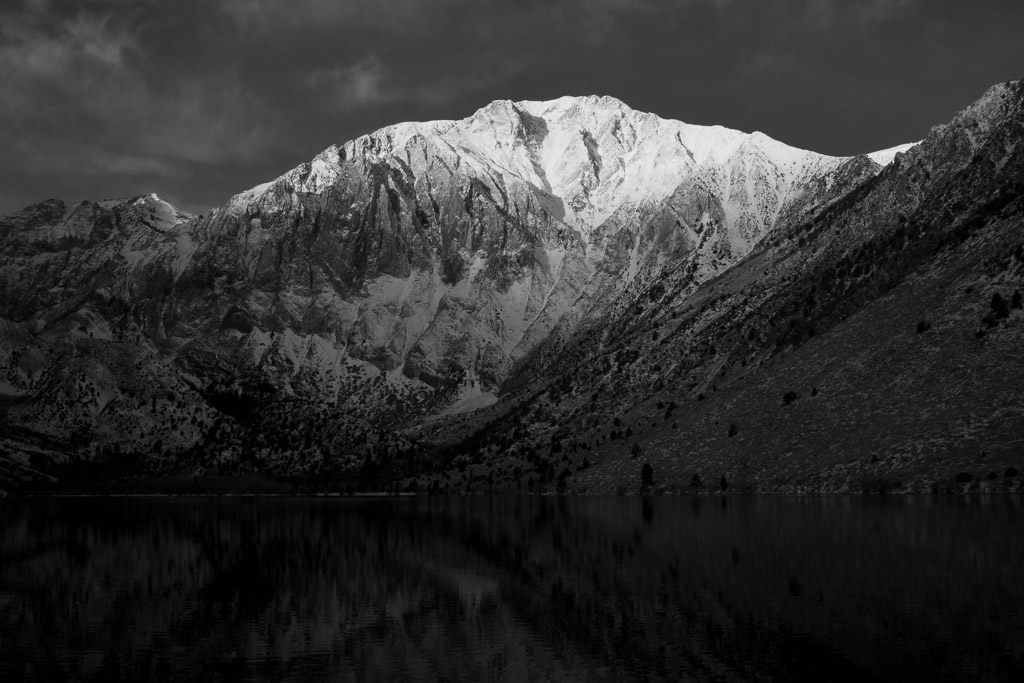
[512,589]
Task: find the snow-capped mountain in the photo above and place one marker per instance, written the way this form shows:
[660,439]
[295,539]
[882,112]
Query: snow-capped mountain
[871,345]
[411,273]
[456,246]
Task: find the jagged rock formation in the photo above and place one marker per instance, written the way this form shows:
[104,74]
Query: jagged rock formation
[424,269]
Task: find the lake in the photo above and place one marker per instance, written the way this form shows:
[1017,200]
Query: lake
[512,588]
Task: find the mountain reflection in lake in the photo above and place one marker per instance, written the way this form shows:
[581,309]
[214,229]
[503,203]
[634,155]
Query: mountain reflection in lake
[512,589]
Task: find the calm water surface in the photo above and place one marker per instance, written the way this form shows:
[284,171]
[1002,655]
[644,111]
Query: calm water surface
[512,589]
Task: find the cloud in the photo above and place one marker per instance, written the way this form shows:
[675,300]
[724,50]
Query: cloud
[471,43]
[38,6]
[818,15]
[86,108]
[104,162]
[369,82]
[792,28]
[74,47]
[584,21]
[351,86]
[277,14]
[872,12]
[84,81]
[771,62]
[367,54]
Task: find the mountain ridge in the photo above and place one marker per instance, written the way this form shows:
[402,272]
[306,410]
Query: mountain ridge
[416,271]
[966,209]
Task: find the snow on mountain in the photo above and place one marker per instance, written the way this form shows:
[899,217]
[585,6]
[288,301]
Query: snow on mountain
[463,244]
[884,157]
[594,154]
[411,270]
[429,269]
[865,345]
[159,214]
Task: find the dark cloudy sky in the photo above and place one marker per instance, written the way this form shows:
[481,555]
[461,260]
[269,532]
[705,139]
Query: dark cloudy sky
[199,99]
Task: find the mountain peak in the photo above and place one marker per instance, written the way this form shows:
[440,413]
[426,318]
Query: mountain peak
[570,103]
[591,155]
[584,110]
[997,104]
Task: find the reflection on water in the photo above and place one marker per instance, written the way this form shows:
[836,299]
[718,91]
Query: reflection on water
[512,589]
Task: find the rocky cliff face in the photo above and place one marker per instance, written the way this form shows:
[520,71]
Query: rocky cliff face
[418,270]
[871,344]
[445,251]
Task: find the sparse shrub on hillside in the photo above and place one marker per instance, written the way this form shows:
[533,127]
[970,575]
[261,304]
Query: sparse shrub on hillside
[964,477]
[723,483]
[1011,472]
[872,485]
[635,451]
[1016,301]
[695,481]
[646,476]
[669,409]
[732,429]
[999,306]
[788,397]
[923,326]
[814,391]
[562,477]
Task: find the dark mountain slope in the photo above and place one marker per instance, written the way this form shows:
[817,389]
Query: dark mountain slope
[830,306]
[871,403]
